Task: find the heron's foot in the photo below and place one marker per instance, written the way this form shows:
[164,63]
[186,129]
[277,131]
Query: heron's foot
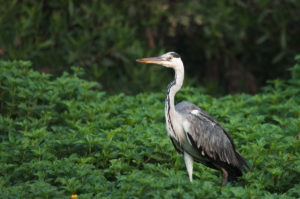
[225,177]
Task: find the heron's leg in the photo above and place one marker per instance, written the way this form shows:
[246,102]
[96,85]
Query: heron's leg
[189,165]
[225,176]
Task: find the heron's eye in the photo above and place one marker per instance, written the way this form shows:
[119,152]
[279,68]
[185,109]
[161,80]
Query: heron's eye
[169,58]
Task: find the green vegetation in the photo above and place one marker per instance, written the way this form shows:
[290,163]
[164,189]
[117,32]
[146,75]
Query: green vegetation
[62,136]
[223,43]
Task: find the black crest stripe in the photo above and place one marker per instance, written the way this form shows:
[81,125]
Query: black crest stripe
[176,55]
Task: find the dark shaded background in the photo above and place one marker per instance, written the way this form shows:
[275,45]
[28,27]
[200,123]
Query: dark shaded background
[227,46]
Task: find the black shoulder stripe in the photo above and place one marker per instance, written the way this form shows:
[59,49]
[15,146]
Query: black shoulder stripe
[179,150]
[192,140]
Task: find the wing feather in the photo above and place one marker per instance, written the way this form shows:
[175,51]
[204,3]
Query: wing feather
[208,134]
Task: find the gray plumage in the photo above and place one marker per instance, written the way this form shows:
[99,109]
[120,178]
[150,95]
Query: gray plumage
[193,132]
[211,141]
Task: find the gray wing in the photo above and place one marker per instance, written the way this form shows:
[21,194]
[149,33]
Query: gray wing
[207,134]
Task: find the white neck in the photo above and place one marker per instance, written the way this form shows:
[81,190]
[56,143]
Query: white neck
[173,88]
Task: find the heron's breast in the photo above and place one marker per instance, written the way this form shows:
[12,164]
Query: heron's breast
[175,130]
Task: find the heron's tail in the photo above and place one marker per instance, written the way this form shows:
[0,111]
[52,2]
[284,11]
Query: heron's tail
[235,172]
[243,164]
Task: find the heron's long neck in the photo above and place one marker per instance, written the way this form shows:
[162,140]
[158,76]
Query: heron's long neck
[172,89]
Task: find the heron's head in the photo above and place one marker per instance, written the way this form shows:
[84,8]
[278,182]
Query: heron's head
[170,60]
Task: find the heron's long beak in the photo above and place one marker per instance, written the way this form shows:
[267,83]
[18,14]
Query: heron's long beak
[151,60]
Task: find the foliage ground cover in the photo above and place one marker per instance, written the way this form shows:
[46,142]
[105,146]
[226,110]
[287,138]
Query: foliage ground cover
[62,136]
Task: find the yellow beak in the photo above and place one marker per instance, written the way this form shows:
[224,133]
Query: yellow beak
[151,60]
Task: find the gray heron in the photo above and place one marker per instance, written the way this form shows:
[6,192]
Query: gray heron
[193,132]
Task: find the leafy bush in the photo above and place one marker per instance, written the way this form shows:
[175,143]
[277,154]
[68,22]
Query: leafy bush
[61,136]
[220,41]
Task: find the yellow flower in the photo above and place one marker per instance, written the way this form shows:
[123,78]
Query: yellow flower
[73,196]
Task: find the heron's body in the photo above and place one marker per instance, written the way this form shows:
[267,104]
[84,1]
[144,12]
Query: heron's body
[193,132]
